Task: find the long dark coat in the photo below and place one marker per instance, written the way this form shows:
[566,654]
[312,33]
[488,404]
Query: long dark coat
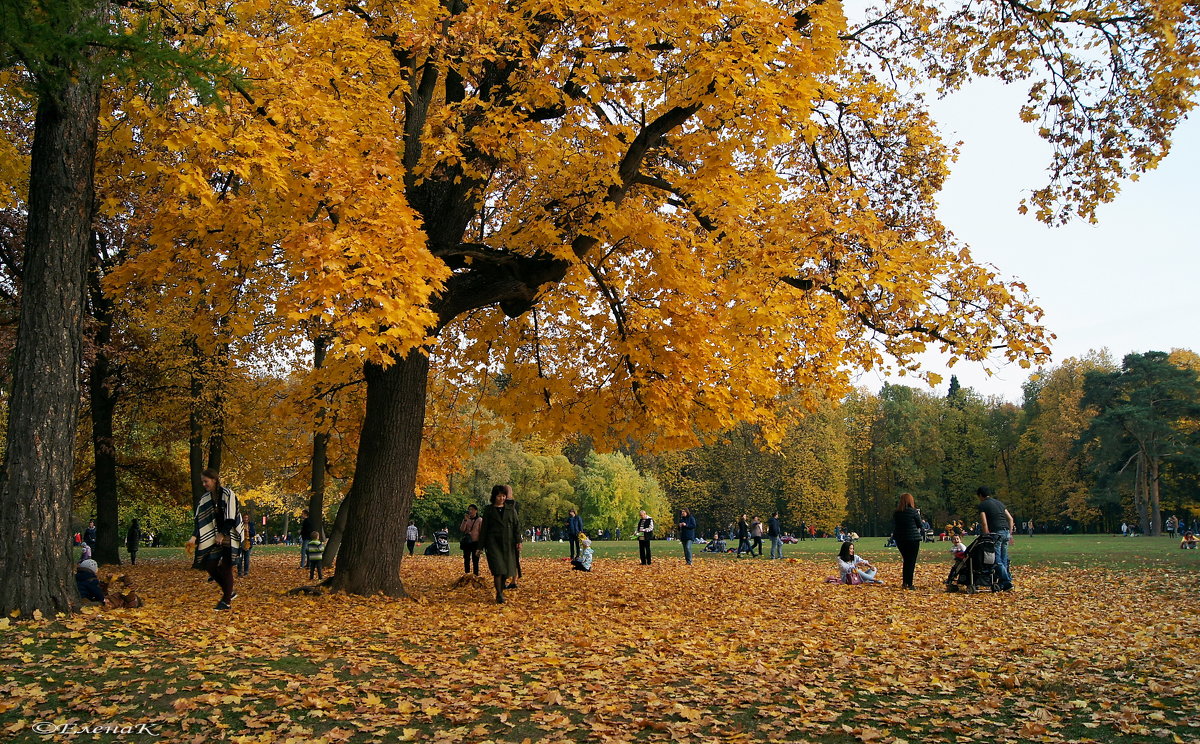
[498,536]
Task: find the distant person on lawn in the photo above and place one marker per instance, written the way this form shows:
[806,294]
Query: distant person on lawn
[574,527]
[307,527]
[410,536]
[645,533]
[687,533]
[133,541]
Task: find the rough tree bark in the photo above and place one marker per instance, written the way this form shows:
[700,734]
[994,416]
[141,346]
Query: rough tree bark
[335,536]
[316,499]
[385,477]
[102,399]
[36,481]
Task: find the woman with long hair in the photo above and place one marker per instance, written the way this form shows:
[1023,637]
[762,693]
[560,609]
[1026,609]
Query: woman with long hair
[906,530]
[855,569]
[217,535]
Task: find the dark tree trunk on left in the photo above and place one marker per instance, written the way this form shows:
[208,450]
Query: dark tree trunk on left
[35,484]
[385,477]
[102,399]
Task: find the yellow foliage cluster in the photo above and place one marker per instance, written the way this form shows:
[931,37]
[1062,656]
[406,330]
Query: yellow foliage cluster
[693,167]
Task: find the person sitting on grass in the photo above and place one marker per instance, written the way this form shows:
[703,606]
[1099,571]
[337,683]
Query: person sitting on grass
[1189,541]
[584,561]
[851,566]
[87,582]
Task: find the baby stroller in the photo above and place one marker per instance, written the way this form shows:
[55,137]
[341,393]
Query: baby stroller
[977,569]
[440,544]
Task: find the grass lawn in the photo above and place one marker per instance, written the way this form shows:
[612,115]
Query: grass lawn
[1133,553]
[1091,647]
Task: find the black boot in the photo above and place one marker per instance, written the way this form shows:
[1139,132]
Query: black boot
[499,582]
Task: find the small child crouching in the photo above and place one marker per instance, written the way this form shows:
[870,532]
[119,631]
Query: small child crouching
[87,582]
[584,561]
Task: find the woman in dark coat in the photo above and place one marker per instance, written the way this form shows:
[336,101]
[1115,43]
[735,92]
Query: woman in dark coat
[500,538]
[743,535]
[906,530]
[133,540]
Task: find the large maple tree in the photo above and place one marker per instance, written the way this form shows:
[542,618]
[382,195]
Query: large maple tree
[648,216]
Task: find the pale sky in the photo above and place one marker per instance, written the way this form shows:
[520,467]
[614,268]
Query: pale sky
[1126,283]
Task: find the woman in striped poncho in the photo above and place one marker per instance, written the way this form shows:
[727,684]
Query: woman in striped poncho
[217,537]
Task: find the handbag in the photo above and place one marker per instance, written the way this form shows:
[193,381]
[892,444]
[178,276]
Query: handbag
[853,578]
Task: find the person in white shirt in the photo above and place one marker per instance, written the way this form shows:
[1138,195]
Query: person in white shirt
[850,564]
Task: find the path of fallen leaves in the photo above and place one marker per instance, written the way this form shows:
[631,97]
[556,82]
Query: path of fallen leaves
[721,651]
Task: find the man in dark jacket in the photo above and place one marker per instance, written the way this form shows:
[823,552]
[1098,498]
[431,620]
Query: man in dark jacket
[306,529]
[775,532]
[687,533]
[574,527]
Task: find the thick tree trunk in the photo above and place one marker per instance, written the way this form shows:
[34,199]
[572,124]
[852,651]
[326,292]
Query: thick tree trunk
[335,536]
[316,499]
[385,478]
[36,482]
[216,438]
[103,403]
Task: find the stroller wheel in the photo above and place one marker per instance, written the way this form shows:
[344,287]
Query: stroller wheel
[970,588]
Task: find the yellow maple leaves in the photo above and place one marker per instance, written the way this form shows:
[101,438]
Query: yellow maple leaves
[721,650]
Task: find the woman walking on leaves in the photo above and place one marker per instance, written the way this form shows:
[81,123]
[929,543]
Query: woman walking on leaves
[907,532]
[500,538]
[217,535]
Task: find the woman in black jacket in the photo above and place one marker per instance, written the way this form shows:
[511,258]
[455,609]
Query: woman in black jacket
[907,533]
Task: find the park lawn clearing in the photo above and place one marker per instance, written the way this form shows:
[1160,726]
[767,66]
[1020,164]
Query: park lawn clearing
[721,651]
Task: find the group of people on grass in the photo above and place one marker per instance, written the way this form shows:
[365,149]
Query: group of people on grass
[221,541]
[908,533]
